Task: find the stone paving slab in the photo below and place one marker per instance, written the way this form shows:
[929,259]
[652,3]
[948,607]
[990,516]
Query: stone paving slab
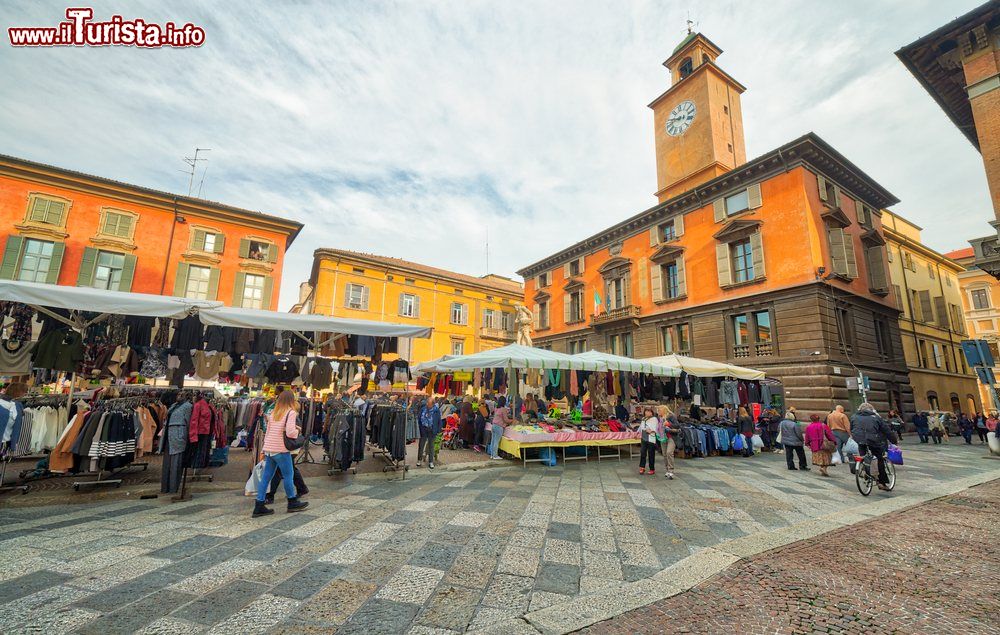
[505,550]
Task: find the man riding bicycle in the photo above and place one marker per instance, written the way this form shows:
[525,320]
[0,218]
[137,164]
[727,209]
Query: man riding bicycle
[873,434]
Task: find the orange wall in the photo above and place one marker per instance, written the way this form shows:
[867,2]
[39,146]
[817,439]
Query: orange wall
[152,237]
[794,241]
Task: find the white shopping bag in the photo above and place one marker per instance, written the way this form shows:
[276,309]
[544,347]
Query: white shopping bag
[851,447]
[836,458]
[254,481]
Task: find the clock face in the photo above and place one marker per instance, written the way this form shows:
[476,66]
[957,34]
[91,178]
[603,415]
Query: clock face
[680,118]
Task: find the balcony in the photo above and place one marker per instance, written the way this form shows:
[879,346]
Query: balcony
[490,333]
[764,349]
[741,351]
[627,312]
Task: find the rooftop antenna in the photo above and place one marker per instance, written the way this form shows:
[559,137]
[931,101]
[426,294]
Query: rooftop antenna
[202,182]
[193,162]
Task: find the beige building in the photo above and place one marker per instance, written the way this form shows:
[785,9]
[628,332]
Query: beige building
[925,286]
[981,301]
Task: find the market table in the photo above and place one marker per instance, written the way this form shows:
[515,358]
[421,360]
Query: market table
[515,442]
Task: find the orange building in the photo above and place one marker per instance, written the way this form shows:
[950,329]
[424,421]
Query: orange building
[65,227]
[778,263]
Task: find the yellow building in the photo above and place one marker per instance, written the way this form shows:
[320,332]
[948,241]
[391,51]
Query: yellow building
[981,302]
[468,313]
[925,285]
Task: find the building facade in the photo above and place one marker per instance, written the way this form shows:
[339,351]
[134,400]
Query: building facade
[926,287]
[65,227]
[981,307]
[778,263]
[959,65]
[468,314]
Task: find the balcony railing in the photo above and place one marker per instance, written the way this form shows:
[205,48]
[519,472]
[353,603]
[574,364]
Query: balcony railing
[490,333]
[764,349]
[741,350]
[627,312]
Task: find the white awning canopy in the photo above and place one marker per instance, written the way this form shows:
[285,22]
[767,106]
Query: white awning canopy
[704,367]
[53,296]
[299,322]
[627,364]
[512,356]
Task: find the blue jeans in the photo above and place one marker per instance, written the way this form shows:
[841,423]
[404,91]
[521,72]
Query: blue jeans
[273,463]
[495,440]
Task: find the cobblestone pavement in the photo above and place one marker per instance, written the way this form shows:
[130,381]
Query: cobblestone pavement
[436,553]
[929,569]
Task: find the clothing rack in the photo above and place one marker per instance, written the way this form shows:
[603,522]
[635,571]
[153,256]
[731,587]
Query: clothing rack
[123,404]
[3,471]
[333,413]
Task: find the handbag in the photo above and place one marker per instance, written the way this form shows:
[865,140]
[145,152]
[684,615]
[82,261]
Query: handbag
[292,444]
[828,445]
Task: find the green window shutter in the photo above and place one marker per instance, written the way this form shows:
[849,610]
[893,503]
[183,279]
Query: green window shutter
[238,285]
[268,287]
[567,301]
[753,196]
[722,261]
[821,184]
[678,226]
[245,248]
[402,296]
[681,279]
[836,195]
[272,253]
[213,284]
[181,280]
[654,240]
[220,243]
[719,209]
[199,240]
[941,312]
[852,263]
[656,281]
[926,307]
[416,306]
[128,273]
[534,315]
[11,257]
[757,249]
[38,209]
[838,258]
[85,277]
[124,226]
[55,264]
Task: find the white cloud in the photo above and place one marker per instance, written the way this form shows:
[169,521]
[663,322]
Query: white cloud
[406,129]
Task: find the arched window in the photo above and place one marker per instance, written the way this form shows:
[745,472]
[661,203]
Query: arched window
[687,67]
[956,405]
[932,400]
[970,403]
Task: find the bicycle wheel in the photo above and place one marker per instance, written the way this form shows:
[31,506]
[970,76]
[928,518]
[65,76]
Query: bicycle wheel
[863,480]
[890,471]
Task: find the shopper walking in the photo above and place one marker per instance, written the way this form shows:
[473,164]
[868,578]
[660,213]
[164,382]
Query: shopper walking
[840,425]
[896,423]
[922,426]
[482,416]
[281,423]
[792,439]
[647,447]
[501,419]
[821,442]
[430,426]
[981,429]
[965,426]
[938,430]
[667,433]
[744,424]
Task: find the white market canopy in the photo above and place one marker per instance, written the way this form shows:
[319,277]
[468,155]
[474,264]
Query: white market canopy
[38,294]
[704,367]
[301,322]
[627,364]
[49,296]
[514,356]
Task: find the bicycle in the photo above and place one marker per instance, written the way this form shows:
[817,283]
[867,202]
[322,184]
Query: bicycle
[863,475]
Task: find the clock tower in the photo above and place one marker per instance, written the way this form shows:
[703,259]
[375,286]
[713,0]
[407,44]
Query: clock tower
[698,121]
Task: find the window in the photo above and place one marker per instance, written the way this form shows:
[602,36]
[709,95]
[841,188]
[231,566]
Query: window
[507,321]
[930,270]
[617,292]
[742,256]
[408,304]
[574,308]
[459,313]
[845,329]
[358,270]
[47,211]
[937,355]
[956,405]
[620,344]
[356,297]
[574,268]
[108,270]
[741,335]
[668,231]
[542,315]
[676,339]
[209,244]
[260,250]
[198,281]
[544,279]
[117,224]
[739,202]
[490,318]
[208,241]
[842,258]
[576,347]
[36,259]
[883,343]
[980,298]
[409,281]
[253,292]
[932,400]
[686,67]
[671,287]
[458,347]
[762,324]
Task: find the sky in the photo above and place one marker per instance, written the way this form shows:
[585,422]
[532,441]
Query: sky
[420,129]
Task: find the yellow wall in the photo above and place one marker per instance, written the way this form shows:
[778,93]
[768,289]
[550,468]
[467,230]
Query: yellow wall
[983,324]
[914,267]
[436,296]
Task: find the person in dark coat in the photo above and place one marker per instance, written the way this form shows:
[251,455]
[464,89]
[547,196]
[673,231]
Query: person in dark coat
[873,434]
[922,426]
[793,440]
[744,423]
[429,419]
